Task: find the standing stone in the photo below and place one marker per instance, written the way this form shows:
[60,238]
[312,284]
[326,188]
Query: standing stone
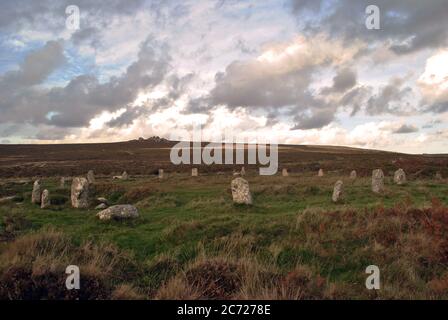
[400,177]
[160,173]
[62,182]
[377,181]
[240,191]
[243,171]
[80,193]
[194,172]
[338,191]
[285,172]
[36,195]
[353,175]
[45,201]
[91,176]
[438,176]
[320,173]
[124,176]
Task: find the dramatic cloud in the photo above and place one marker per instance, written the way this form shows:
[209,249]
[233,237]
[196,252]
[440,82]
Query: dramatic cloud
[408,25]
[304,71]
[84,96]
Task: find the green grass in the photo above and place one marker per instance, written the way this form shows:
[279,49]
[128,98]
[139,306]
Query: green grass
[185,216]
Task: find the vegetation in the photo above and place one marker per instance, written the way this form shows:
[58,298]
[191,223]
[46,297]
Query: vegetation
[191,242]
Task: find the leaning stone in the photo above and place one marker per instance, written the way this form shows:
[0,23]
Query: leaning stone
[124,176]
[80,193]
[36,195]
[91,176]
[240,191]
[320,173]
[400,177]
[45,201]
[377,181]
[338,191]
[118,212]
[353,175]
[101,206]
[285,172]
[160,173]
[194,172]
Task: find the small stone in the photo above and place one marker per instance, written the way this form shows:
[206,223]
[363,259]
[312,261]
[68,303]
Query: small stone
[285,173]
[91,176]
[62,182]
[36,195]
[338,191]
[400,177]
[80,193]
[194,172]
[101,206]
[320,173]
[353,175]
[240,191]
[377,181]
[45,201]
[118,212]
[243,171]
[160,173]
[102,200]
[124,176]
[438,176]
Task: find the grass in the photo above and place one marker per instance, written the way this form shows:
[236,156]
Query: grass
[293,243]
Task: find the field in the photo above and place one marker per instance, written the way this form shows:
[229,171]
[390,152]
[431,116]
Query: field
[192,242]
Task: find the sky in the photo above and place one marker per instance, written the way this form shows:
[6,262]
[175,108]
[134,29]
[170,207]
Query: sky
[302,71]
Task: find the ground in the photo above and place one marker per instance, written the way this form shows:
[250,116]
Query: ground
[191,241]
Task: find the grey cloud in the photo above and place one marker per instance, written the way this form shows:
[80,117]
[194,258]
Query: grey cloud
[438,107]
[390,99]
[344,79]
[36,67]
[248,85]
[409,25]
[176,88]
[316,120]
[21,13]
[84,96]
[406,129]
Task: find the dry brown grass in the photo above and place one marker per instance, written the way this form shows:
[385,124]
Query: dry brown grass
[33,267]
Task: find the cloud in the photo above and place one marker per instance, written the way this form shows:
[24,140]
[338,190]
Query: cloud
[344,79]
[75,104]
[391,99]
[317,120]
[406,129]
[279,80]
[408,26]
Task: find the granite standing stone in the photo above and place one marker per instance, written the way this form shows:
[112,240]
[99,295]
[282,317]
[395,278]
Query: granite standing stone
[241,192]
[80,193]
[377,181]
